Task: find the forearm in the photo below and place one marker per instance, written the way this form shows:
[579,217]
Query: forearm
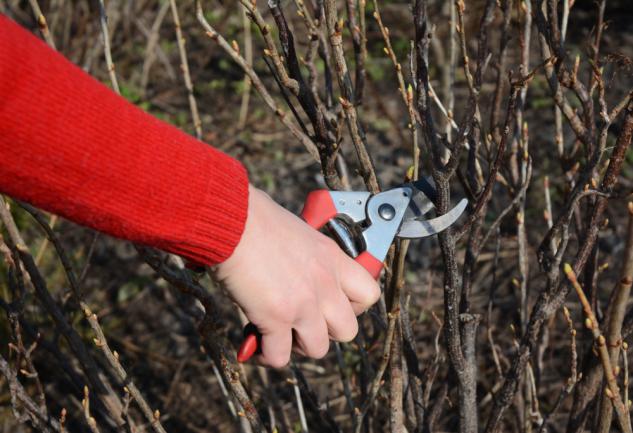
[71,146]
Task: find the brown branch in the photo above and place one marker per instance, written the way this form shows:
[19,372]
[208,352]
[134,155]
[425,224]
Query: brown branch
[468,409]
[248,56]
[21,400]
[396,385]
[612,391]
[335,36]
[615,317]
[85,403]
[359,40]
[271,48]
[575,122]
[42,23]
[184,67]
[105,33]
[406,92]
[324,138]
[495,115]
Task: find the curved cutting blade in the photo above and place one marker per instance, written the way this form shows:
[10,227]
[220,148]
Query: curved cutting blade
[412,229]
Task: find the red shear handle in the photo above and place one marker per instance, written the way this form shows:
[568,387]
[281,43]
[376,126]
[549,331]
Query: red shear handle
[248,348]
[319,208]
[370,263]
[251,345]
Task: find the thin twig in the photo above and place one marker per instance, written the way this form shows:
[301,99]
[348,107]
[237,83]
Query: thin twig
[615,317]
[612,391]
[20,399]
[184,67]
[152,48]
[248,56]
[335,35]
[42,23]
[103,21]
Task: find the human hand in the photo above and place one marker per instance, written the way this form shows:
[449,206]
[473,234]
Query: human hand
[292,281]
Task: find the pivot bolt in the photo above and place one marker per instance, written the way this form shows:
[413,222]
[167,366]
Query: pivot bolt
[386,211]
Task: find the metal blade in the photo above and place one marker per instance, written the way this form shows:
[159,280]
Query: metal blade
[412,229]
[427,186]
[424,195]
[418,206]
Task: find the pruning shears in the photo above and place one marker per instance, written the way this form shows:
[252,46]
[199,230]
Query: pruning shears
[364,226]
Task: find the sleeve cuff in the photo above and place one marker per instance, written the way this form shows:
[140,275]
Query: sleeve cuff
[220,218]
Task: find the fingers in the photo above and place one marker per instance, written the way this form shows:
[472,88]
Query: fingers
[311,336]
[358,285]
[276,348]
[335,319]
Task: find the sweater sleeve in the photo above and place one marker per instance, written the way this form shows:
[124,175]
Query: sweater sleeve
[71,146]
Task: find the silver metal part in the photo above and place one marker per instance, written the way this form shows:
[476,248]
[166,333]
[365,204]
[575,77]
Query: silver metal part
[343,237]
[386,211]
[351,204]
[412,229]
[419,206]
[380,234]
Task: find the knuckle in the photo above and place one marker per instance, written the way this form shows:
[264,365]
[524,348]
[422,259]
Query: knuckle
[321,350]
[282,309]
[375,294]
[349,332]
[317,266]
[316,346]
[304,298]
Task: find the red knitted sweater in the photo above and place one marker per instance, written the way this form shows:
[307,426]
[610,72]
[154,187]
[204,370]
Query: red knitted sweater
[71,146]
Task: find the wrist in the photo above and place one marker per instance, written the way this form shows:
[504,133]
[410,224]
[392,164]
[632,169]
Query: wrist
[253,207]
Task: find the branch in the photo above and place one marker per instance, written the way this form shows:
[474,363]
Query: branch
[612,391]
[335,36]
[615,317]
[184,67]
[19,397]
[103,21]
